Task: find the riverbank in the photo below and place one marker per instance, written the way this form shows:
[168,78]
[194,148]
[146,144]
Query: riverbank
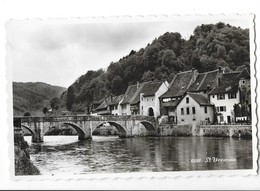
[23,164]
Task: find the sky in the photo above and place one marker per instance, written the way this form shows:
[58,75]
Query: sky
[57,52]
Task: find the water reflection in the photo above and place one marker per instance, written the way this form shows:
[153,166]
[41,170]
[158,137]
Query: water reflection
[65,154]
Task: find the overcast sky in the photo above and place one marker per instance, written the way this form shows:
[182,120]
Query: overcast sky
[59,52]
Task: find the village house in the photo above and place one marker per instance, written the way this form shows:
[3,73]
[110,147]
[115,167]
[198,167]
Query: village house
[125,103]
[232,88]
[114,105]
[103,108]
[110,106]
[177,88]
[149,97]
[135,100]
[194,108]
[95,105]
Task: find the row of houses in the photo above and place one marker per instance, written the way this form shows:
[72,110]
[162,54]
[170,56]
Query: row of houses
[191,97]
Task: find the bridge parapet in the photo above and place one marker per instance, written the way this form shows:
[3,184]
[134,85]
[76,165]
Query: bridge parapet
[143,117]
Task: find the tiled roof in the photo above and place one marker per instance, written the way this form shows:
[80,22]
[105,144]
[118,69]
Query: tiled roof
[115,100]
[179,84]
[110,101]
[244,74]
[103,105]
[136,97]
[205,80]
[129,94]
[228,83]
[151,88]
[201,99]
[196,84]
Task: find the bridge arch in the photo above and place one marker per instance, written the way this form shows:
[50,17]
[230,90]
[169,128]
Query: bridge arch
[120,128]
[81,133]
[149,127]
[29,129]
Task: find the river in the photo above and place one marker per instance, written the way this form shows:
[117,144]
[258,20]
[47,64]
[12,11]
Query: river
[65,154]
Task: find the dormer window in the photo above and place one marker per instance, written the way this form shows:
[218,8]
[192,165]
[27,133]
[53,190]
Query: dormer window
[221,96]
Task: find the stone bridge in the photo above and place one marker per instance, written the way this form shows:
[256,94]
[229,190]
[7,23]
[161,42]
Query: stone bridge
[127,125]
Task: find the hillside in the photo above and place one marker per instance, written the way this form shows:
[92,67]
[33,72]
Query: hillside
[33,97]
[209,47]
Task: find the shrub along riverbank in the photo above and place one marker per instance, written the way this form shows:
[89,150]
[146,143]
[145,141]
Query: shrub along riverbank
[23,164]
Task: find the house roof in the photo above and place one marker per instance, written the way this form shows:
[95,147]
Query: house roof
[136,97]
[204,80]
[151,88]
[179,84]
[201,99]
[103,105]
[229,82]
[115,100]
[129,94]
[110,101]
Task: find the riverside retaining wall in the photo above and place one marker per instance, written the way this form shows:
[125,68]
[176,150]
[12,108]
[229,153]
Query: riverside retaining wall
[205,130]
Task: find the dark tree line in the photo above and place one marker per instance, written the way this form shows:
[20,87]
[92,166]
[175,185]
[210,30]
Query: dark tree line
[209,47]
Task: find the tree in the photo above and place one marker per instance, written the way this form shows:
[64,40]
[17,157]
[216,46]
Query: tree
[70,98]
[45,110]
[168,58]
[27,114]
[148,76]
[55,102]
[116,86]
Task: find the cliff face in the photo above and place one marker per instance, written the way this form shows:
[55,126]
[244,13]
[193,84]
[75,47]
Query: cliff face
[23,164]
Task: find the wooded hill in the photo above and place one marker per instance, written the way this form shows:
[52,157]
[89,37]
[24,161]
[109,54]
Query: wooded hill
[33,97]
[209,47]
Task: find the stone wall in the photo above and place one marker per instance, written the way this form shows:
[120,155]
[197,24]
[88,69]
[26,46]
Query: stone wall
[226,130]
[174,130]
[243,131]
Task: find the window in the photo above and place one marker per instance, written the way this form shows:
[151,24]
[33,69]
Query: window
[213,96]
[193,110]
[221,118]
[205,109]
[147,100]
[221,108]
[152,99]
[188,111]
[142,107]
[182,111]
[221,96]
[182,119]
[187,100]
[232,95]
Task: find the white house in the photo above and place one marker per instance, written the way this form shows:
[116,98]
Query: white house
[228,93]
[177,88]
[149,98]
[194,108]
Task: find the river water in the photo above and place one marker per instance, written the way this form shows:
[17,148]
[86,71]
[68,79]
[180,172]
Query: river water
[67,155]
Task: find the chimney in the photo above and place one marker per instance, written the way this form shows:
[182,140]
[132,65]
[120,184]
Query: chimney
[194,74]
[208,88]
[220,75]
[137,84]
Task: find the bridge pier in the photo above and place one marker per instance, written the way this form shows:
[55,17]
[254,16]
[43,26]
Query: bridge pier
[37,137]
